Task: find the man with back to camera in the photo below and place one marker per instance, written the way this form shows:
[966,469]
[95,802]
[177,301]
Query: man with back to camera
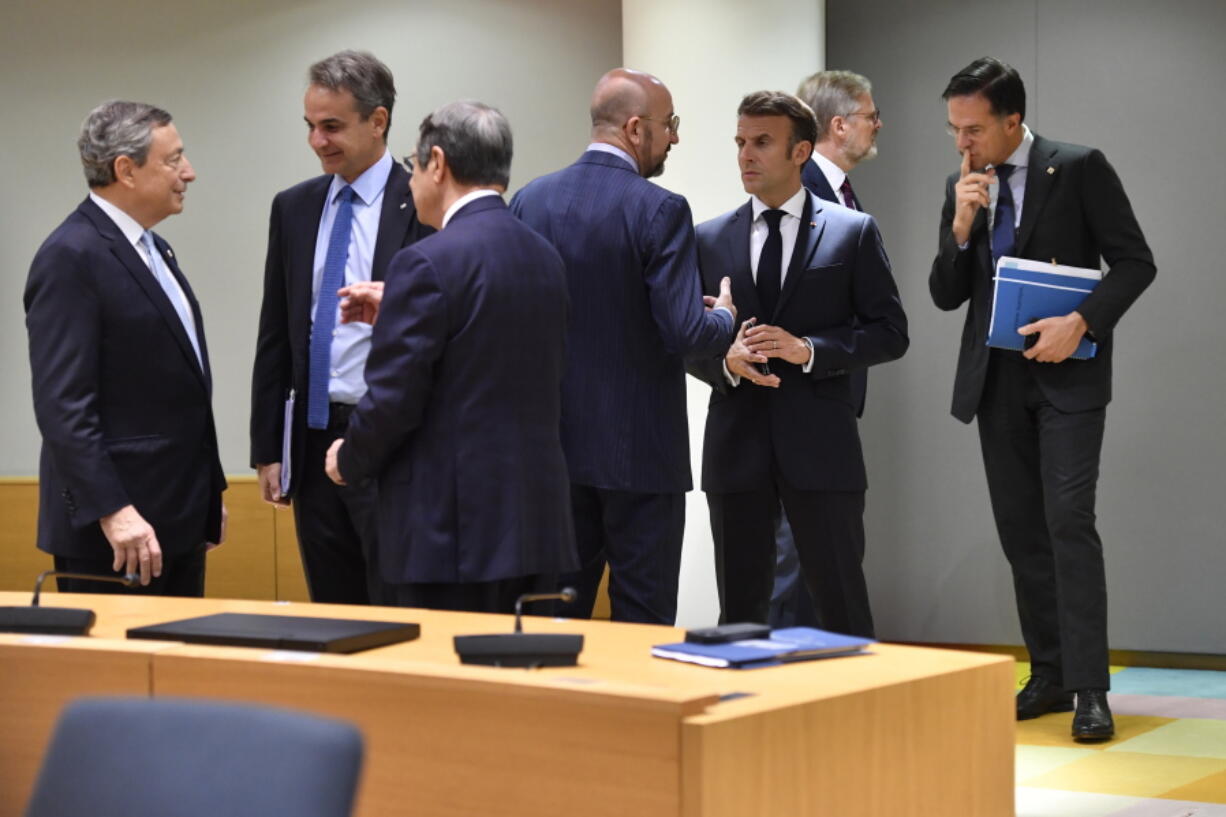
[1040,413]
[847,125]
[129,475]
[636,312]
[333,230]
[818,298]
[460,423]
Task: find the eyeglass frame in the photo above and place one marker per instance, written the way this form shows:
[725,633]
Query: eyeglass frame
[873,116]
[671,124]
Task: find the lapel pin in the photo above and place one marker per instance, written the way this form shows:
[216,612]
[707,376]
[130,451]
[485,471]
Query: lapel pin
[812,224]
[170,253]
[1051,171]
[403,204]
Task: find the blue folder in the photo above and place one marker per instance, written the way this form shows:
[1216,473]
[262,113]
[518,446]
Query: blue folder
[1027,291]
[784,646]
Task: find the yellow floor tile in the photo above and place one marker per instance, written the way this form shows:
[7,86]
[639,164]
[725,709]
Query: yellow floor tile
[1032,761]
[1211,789]
[1186,737]
[1135,775]
[1056,730]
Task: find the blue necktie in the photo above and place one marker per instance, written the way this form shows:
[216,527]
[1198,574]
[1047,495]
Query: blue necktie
[1004,235]
[770,265]
[320,371]
[177,298]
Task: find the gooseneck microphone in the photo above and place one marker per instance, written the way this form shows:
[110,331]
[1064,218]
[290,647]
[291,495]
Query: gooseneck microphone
[56,620]
[566,594]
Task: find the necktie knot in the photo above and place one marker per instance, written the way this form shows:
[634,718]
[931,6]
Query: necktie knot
[1003,172]
[772,218]
[849,197]
[347,195]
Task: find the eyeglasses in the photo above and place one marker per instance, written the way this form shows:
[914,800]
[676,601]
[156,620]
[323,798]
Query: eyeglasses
[672,123]
[872,116]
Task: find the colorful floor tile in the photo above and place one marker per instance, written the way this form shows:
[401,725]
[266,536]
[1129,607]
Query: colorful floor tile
[1168,758]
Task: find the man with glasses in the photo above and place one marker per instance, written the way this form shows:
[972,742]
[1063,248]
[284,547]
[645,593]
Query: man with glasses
[325,233]
[1040,414]
[636,313]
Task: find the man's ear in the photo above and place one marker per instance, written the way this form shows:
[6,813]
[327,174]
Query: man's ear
[801,152]
[437,165]
[378,118]
[125,170]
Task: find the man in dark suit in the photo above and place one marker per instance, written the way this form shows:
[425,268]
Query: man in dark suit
[129,477]
[636,312]
[814,284]
[460,423]
[847,125]
[1041,414]
[305,361]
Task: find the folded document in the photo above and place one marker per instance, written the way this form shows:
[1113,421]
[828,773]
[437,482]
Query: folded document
[1027,291]
[783,646]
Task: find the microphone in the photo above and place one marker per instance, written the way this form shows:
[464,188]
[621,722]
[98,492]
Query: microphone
[520,649]
[56,620]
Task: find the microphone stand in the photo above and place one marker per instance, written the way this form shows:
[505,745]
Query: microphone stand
[520,649]
[55,620]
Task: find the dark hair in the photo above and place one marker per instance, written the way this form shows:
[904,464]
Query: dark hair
[475,138]
[113,129]
[999,83]
[779,103]
[361,74]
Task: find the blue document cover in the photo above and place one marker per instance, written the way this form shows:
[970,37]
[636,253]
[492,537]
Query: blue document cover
[1027,291]
[783,646]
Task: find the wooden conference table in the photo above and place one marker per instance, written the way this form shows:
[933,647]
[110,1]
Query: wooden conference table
[903,732]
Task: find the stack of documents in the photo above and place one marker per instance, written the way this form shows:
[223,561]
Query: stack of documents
[783,646]
[1027,291]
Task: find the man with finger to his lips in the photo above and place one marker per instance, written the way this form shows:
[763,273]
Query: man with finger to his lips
[819,302]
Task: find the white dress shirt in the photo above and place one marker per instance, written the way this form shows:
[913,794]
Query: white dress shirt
[835,176]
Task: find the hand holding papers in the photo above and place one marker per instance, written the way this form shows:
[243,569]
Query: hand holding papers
[1029,291]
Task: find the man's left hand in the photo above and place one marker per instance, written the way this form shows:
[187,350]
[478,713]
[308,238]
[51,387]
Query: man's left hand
[360,301]
[772,341]
[221,538]
[1058,337]
[330,464]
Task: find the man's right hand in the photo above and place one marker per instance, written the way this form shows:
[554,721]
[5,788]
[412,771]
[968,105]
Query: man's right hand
[269,477]
[134,542]
[970,193]
[724,299]
[360,301]
[740,360]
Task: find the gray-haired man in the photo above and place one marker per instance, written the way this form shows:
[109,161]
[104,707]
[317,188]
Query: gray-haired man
[330,231]
[129,477]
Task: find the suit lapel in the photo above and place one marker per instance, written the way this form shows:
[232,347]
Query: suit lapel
[737,244]
[172,264]
[394,221]
[1040,175]
[812,224]
[300,260]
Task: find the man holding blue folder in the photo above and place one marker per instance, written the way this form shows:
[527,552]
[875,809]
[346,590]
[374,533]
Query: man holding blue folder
[1040,413]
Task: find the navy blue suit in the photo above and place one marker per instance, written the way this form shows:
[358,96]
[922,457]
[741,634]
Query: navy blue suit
[798,443]
[124,407]
[460,422]
[636,313]
[334,525]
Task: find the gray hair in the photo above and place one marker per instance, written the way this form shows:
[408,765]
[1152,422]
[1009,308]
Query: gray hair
[113,129]
[475,138]
[361,74]
[831,94]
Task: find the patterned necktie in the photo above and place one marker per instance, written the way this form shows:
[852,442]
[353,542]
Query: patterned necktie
[320,363]
[1004,233]
[177,298]
[849,198]
[770,265]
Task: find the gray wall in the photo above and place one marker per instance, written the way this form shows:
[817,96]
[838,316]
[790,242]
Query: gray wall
[1142,81]
[232,73]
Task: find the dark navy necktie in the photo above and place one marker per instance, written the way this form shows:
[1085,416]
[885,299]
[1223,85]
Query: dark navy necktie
[849,198]
[770,265]
[320,371]
[1004,233]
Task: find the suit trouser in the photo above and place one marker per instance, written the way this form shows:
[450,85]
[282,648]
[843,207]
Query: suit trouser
[496,596]
[639,537]
[182,575]
[1042,469]
[336,525]
[828,527]
[791,605]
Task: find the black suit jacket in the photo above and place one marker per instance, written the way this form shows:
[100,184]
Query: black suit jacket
[283,344]
[840,294]
[123,405]
[460,423]
[1074,212]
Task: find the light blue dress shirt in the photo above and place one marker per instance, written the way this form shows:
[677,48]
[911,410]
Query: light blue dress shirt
[351,341]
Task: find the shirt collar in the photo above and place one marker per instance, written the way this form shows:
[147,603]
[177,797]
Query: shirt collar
[1021,156]
[463,200]
[127,225]
[835,175]
[605,147]
[795,206]
[370,184]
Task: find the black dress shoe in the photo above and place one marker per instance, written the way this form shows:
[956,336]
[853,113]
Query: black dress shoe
[1093,722]
[1041,696]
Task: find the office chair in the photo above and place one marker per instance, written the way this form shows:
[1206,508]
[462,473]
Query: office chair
[176,757]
